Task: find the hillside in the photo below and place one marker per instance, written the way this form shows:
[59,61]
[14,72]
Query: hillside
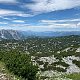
[54,55]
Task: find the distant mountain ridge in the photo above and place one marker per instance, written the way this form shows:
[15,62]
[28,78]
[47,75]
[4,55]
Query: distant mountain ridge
[17,35]
[10,34]
[50,33]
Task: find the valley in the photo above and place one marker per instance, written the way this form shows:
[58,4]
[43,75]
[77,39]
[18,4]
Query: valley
[55,56]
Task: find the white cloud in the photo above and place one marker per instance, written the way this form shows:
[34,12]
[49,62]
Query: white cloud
[78,24]
[6,18]
[43,6]
[4,12]
[18,21]
[57,21]
[51,27]
[3,22]
[61,24]
[8,1]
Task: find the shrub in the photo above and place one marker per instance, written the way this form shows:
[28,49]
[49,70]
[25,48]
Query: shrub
[20,64]
[77,63]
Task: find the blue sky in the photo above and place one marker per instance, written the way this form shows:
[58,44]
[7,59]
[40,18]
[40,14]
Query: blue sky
[40,15]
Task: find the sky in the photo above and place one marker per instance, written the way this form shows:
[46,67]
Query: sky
[40,15]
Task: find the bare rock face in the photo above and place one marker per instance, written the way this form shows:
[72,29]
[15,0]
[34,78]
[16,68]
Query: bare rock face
[10,34]
[3,77]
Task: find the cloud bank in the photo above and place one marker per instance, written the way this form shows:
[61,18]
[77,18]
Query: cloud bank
[8,1]
[43,6]
[22,15]
[5,12]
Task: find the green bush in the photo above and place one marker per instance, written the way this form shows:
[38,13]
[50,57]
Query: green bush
[77,63]
[20,64]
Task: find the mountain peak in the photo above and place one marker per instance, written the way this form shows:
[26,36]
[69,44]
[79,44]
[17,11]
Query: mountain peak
[10,34]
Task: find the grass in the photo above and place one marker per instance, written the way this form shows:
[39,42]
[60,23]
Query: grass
[75,76]
[4,71]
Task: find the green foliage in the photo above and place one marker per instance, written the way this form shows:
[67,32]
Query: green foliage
[74,76]
[20,64]
[77,63]
[60,63]
[6,74]
[16,61]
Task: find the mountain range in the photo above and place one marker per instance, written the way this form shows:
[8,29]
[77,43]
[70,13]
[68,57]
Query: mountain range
[14,34]
[10,34]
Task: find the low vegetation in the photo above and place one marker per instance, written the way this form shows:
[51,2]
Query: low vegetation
[77,63]
[19,64]
[50,54]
